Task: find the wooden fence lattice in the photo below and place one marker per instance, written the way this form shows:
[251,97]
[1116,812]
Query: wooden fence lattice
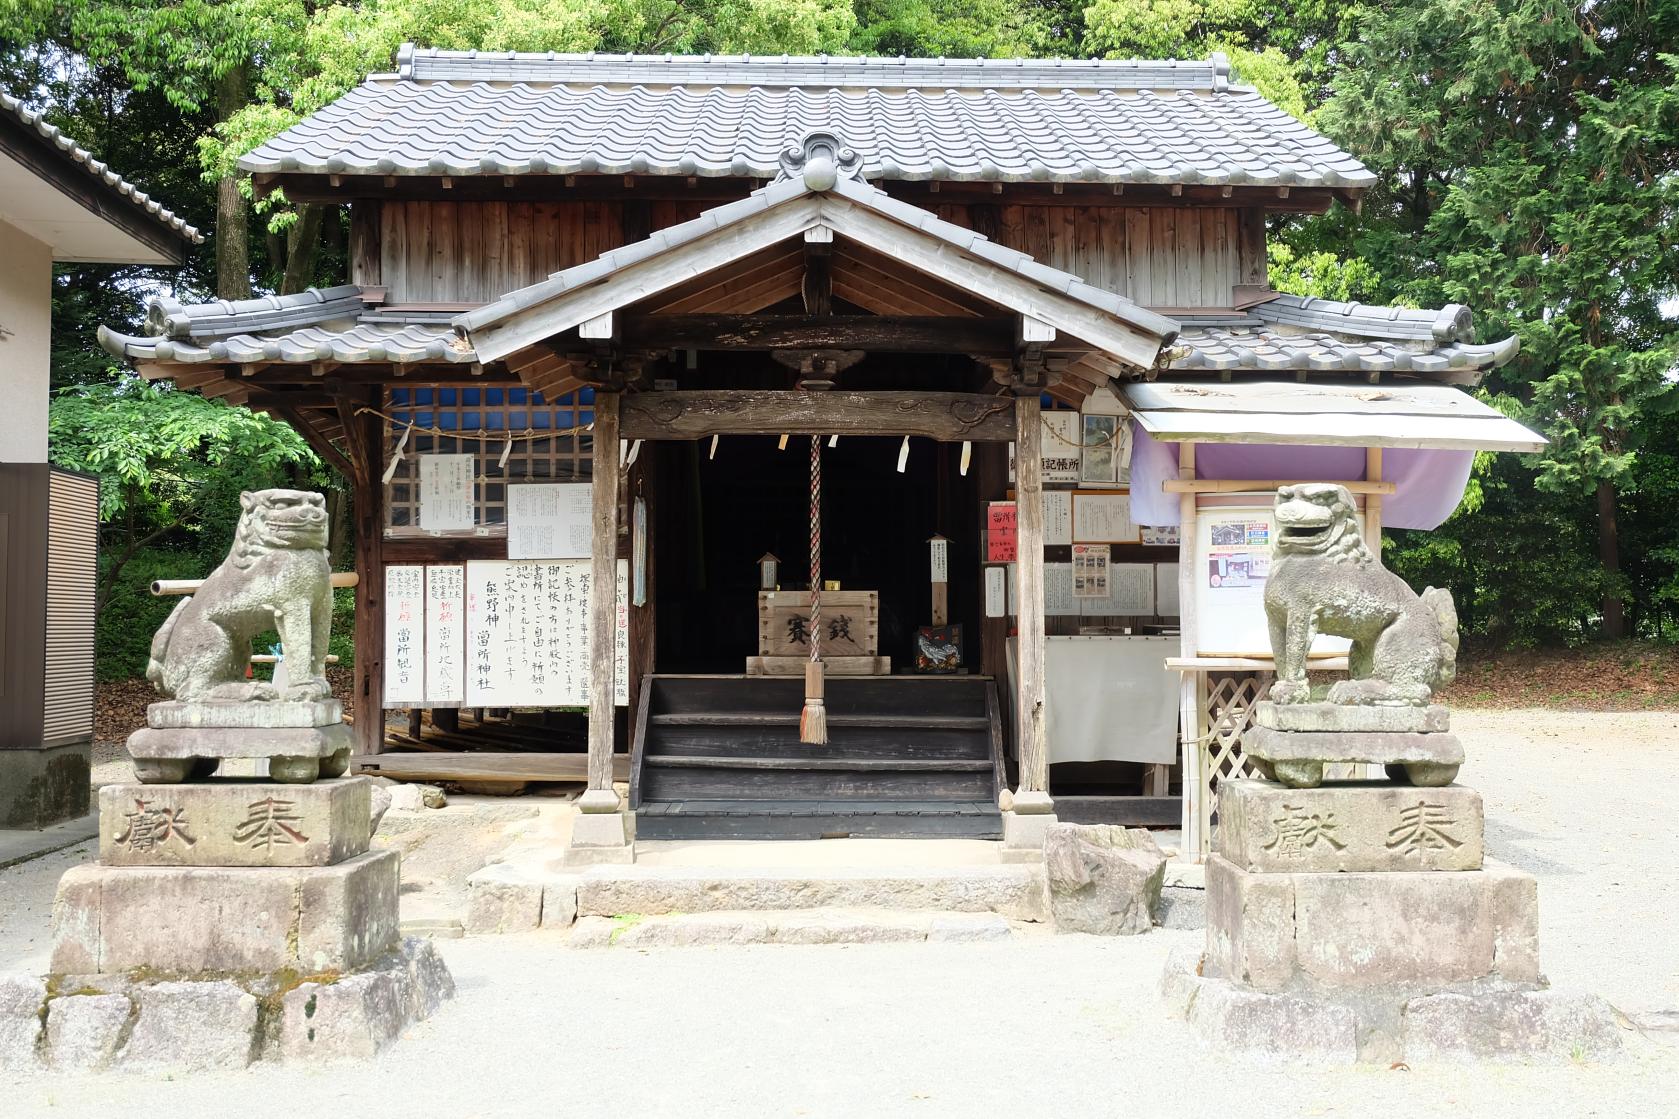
[1226,704]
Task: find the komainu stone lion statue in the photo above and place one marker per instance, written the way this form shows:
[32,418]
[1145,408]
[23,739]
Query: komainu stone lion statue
[1324,579]
[276,574]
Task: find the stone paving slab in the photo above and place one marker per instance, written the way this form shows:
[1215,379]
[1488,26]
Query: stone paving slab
[800,926]
[226,823]
[196,920]
[19,845]
[1364,826]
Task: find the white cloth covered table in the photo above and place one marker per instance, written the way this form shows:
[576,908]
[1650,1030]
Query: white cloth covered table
[1108,698]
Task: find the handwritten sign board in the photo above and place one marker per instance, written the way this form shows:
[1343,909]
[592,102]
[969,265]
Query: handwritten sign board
[996,591]
[445,635]
[405,672]
[1104,518]
[549,521]
[527,633]
[446,503]
[939,549]
[1002,532]
[1058,517]
[1061,446]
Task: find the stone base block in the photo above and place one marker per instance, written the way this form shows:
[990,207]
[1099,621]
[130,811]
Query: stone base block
[1103,879]
[297,755]
[1339,717]
[199,1025]
[355,1016]
[41,786]
[500,899]
[254,713]
[226,920]
[1364,826]
[1402,929]
[1298,757]
[1487,1020]
[601,838]
[1025,831]
[235,824]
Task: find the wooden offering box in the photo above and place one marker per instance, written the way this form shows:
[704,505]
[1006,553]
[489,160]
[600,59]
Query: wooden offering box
[850,634]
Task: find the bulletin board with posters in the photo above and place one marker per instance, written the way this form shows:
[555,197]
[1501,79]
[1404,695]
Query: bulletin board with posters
[1232,562]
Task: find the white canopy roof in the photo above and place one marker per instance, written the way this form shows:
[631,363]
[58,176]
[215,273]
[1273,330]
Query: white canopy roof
[1387,415]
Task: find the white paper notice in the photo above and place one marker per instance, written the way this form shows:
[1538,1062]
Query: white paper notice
[445,636]
[405,680]
[996,592]
[1058,591]
[1130,593]
[1058,517]
[1061,446]
[1166,590]
[939,548]
[446,503]
[549,520]
[1104,519]
[527,633]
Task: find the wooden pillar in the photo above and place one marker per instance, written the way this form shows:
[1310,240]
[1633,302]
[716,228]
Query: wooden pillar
[1373,501]
[367,441]
[1189,692]
[603,607]
[1030,809]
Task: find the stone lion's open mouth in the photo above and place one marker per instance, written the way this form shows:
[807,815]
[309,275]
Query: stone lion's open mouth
[1306,537]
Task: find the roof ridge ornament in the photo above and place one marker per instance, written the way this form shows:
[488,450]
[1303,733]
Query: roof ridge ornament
[820,158]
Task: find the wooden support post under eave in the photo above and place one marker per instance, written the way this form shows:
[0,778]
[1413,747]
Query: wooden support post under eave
[600,833]
[369,498]
[1189,714]
[603,608]
[1031,810]
[1373,502]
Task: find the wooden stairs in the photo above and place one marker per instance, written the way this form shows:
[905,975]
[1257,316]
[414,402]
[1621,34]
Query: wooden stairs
[719,757]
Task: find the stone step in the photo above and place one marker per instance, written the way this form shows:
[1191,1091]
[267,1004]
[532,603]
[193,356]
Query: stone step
[795,926]
[504,898]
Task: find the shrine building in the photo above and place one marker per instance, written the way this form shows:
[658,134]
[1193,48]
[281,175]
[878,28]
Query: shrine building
[984,350]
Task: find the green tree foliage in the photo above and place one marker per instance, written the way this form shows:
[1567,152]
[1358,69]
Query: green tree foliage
[1527,153]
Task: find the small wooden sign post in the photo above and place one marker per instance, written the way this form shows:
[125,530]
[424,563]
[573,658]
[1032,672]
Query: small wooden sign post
[939,548]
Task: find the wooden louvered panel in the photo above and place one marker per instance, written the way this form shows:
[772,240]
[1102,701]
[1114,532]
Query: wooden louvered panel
[72,579]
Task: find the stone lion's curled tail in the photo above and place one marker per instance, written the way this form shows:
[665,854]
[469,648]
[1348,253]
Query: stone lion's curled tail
[1440,604]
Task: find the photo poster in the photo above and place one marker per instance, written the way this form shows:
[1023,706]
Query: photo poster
[446,501]
[549,520]
[1058,517]
[1160,534]
[1090,570]
[1060,452]
[445,635]
[405,635]
[527,633]
[1232,562]
[1002,532]
[1104,518]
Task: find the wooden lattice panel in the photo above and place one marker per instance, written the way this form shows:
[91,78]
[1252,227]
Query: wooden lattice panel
[1227,701]
[477,420]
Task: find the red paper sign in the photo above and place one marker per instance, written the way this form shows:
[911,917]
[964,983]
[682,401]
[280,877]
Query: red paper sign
[1002,532]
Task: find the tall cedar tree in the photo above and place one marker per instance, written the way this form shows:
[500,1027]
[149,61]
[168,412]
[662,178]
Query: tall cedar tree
[1527,155]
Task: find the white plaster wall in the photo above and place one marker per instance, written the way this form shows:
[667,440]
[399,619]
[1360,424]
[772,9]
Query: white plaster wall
[25,352]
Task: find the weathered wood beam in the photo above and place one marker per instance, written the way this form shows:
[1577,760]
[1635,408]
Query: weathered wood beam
[311,433]
[603,606]
[881,333]
[1029,594]
[947,416]
[367,431]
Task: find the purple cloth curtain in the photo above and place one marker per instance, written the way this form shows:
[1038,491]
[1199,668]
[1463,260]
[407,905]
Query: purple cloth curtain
[1428,484]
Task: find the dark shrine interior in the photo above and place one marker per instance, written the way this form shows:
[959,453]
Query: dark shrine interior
[716,516]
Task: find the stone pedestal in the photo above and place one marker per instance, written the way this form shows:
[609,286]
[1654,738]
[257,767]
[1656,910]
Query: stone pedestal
[211,897]
[1294,742]
[1360,921]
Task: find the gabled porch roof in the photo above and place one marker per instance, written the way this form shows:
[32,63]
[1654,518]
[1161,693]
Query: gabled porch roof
[821,196]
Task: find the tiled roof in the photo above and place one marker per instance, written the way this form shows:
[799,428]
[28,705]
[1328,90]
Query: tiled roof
[114,183]
[371,338]
[480,113]
[1294,333]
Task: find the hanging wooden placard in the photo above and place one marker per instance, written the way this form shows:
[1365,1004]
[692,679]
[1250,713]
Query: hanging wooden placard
[445,635]
[527,630]
[405,670]
[996,592]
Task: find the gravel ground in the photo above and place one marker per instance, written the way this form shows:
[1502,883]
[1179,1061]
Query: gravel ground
[1053,1026]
